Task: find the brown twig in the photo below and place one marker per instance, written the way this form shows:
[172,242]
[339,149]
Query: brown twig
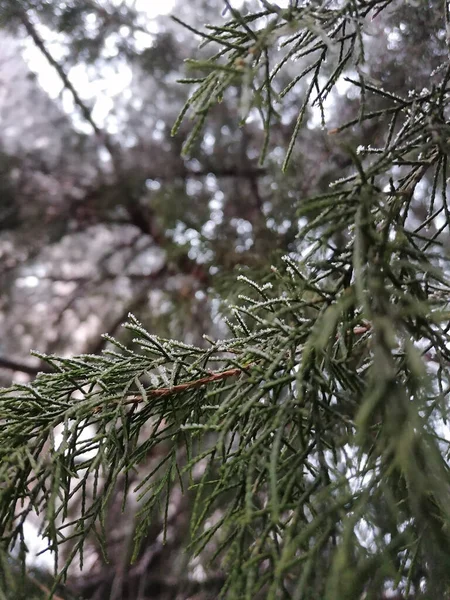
[362,329]
[183,387]
[186,386]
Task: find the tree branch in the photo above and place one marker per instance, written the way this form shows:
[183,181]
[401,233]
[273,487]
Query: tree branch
[85,111]
[186,386]
[23,367]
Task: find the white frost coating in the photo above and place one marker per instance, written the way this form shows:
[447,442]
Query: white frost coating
[246,279]
[163,372]
[437,70]
[338,181]
[246,298]
[291,272]
[254,285]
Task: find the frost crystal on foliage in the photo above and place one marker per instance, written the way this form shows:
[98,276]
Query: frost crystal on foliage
[303,454]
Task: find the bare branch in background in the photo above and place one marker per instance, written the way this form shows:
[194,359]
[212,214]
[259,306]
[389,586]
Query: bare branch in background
[23,367]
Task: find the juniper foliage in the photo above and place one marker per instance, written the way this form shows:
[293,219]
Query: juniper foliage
[314,437]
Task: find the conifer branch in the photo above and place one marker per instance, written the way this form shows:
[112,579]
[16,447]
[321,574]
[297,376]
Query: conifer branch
[334,429]
[190,385]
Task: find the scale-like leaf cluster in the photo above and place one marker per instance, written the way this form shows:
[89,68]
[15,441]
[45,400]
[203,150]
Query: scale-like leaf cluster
[314,437]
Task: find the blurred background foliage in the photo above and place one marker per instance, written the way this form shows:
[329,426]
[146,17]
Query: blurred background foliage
[100,215]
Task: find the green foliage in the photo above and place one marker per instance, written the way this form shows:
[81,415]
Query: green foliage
[323,34]
[313,437]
